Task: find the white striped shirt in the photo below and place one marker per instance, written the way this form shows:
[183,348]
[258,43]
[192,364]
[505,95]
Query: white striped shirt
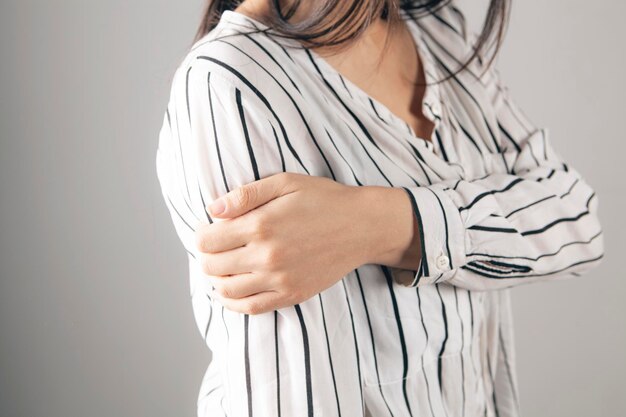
[496,206]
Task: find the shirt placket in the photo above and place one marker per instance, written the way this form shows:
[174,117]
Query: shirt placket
[431,102]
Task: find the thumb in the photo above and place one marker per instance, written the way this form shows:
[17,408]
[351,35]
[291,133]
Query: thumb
[245,198]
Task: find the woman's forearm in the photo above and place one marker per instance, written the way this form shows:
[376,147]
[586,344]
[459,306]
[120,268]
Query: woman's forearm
[390,227]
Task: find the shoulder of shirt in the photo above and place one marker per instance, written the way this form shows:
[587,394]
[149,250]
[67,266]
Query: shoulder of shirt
[446,25]
[453,15]
[235,56]
[447,32]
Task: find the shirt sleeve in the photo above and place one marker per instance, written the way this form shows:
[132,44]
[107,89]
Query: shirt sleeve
[217,134]
[537,221]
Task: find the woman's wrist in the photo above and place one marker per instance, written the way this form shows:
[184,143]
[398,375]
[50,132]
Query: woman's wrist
[387,224]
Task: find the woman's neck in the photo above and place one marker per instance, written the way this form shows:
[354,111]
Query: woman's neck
[382,61]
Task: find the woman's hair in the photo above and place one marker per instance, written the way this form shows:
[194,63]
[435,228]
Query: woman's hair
[334,23]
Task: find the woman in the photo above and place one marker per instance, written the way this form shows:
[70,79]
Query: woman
[357,192]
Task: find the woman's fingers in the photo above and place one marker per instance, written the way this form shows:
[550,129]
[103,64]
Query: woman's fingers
[223,235]
[252,195]
[239,286]
[229,234]
[258,303]
[242,260]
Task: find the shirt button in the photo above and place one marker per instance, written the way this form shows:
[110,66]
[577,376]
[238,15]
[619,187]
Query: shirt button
[442,262]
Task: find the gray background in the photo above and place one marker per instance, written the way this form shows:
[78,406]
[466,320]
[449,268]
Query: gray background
[95,318]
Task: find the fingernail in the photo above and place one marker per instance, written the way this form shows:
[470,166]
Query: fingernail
[217,207]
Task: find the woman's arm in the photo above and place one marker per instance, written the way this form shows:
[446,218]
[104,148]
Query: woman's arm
[536,222]
[216,137]
[505,230]
[221,136]
[539,221]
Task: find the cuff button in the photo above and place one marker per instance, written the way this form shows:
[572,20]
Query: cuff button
[443,262]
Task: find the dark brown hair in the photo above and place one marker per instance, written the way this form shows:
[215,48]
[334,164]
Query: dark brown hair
[334,23]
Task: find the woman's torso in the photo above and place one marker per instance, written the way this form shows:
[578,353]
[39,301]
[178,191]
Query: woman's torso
[435,350]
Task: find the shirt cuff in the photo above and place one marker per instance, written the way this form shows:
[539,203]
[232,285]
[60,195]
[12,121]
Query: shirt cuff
[441,237]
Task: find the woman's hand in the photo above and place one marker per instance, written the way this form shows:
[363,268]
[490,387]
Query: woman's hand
[287,237]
